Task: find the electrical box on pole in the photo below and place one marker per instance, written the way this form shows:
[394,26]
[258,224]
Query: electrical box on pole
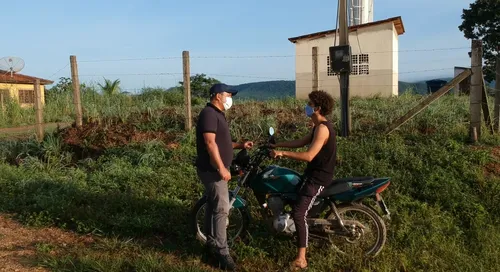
[340,58]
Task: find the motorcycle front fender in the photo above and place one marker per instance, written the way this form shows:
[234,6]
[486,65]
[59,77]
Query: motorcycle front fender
[237,202]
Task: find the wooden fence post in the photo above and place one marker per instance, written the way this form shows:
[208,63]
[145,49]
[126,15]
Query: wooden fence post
[2,100]
[187,89]
[485,105]
[76,91]
[476,91]
[315,68]
[496,114]
[38,111]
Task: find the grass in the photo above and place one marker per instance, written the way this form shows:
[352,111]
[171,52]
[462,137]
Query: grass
[135,198]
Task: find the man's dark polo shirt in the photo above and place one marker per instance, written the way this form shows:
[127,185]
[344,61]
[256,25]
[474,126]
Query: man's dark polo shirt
[211,119]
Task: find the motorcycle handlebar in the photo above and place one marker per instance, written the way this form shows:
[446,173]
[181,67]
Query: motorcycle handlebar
[265,149]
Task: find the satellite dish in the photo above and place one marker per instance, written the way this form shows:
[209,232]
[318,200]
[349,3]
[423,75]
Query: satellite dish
[11,64]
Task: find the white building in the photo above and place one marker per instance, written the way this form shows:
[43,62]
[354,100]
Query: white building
[374,49]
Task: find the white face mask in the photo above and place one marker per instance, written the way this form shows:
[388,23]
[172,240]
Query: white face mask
[228,103]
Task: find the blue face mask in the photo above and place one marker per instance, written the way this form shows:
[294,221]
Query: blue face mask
[309,111]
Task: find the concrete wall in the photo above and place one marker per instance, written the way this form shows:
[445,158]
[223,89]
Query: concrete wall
[14,91]
[379,42]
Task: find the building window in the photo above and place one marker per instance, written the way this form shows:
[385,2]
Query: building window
[5,93]
[361,62]
[4,96]
[354,59]
[329,70]
[360,65]
[27,96]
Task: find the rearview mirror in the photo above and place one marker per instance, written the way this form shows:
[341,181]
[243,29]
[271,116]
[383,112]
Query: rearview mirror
[271,131]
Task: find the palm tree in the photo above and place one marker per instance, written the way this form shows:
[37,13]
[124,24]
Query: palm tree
[110,87]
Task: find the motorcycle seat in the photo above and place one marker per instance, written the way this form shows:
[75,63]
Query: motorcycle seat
[341,185]
[362,180]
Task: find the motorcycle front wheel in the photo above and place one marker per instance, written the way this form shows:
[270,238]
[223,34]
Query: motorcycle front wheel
[236,224]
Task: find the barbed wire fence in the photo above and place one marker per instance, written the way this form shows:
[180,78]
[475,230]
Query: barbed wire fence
[186,61]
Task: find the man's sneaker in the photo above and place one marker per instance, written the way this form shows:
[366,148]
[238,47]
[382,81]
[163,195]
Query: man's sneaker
[226,262]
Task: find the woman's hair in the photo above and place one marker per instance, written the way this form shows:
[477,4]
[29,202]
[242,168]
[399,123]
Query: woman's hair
[323,100]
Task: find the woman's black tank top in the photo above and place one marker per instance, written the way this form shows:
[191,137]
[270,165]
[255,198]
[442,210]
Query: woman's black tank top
[321,169]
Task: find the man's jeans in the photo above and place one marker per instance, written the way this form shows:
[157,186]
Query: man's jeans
[216,211]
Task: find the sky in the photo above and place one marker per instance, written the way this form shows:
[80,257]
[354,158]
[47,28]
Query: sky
[148,37]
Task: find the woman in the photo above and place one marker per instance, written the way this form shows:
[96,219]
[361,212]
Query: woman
[320,158]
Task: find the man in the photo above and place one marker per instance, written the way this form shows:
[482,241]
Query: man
[215,153]
[320,158]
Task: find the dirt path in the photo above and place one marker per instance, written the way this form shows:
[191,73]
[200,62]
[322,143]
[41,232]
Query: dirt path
[18,244]
[21,132]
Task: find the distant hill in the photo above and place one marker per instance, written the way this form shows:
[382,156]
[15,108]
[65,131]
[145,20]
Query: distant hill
[266,89]
[282,88]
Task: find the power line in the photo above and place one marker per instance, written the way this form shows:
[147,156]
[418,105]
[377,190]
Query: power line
[491,70]
[143,74]
[256,76]
[163,74]
[430,61]
[249,76]
[264,56]
[67,64]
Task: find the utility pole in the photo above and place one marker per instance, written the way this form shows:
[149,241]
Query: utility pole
[344,73]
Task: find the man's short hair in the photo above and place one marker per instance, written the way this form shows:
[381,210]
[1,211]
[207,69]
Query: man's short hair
[323,100]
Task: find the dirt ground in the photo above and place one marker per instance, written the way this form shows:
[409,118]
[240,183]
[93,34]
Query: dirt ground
[98,137]
[18,244]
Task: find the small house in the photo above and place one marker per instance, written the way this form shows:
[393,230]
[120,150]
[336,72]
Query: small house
[21,88]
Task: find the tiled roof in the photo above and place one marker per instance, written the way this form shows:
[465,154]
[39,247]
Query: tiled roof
[397,21]
[5,77]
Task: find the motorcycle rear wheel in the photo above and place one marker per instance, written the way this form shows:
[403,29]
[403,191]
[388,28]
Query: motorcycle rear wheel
[380,227]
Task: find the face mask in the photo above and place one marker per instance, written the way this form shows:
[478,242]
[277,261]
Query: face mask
[309,111]
[228,103]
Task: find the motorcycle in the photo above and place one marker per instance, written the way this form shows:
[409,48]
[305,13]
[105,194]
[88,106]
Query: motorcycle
[275,189]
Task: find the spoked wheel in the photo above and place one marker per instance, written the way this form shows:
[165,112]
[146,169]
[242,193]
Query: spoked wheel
[368,232]
[236,223]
